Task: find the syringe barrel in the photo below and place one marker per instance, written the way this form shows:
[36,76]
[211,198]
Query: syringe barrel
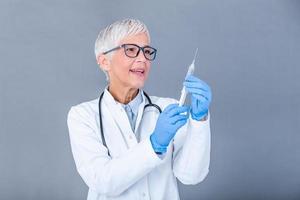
[182,96]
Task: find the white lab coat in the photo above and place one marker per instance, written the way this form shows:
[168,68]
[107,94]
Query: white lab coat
[134,170]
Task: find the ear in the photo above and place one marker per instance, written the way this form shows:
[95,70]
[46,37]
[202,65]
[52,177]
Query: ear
[104,62]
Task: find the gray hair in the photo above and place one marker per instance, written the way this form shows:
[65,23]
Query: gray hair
[110,36]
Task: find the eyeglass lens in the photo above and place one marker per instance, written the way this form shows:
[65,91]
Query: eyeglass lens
[132,51]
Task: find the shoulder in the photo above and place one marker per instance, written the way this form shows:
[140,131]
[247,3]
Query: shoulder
[84,109]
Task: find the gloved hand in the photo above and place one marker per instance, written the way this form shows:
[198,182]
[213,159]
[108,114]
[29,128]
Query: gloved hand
[201,96]
[168,122]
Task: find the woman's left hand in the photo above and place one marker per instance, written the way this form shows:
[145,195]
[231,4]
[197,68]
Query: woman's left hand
[201,96]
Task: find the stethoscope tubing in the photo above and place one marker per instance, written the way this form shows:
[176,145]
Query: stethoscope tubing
[100,115]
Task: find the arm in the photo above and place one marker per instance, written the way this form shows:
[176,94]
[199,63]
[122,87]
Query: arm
[106,175]
[191,153]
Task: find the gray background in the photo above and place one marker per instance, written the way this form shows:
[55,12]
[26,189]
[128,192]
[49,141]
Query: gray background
[248,54]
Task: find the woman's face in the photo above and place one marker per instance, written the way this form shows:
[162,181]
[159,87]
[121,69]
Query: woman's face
[129,72]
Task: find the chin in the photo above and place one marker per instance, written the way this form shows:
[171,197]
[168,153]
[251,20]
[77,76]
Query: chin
[138,85]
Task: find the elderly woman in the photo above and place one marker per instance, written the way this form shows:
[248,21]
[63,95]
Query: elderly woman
[127,145]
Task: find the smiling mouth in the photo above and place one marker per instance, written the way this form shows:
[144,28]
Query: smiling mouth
[139,72]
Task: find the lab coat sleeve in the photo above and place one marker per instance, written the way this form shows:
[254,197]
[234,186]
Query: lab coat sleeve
[108,176]
[191,151]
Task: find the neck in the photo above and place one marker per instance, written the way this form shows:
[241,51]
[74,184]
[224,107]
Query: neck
[122,95]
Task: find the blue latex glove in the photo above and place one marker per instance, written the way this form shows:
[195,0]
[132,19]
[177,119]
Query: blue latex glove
[168,122]
[201,96]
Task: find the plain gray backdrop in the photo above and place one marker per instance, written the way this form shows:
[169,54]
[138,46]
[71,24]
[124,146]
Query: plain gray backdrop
[249,53]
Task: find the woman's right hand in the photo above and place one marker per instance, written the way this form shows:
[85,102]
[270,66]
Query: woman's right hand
[168,122]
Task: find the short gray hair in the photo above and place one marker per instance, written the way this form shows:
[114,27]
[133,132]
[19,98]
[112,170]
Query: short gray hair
[110,36]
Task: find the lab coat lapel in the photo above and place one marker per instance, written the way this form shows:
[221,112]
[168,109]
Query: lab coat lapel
[118,113]
[146,120]
[140,112]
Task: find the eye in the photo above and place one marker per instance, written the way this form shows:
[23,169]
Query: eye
[131,49]
[147,51]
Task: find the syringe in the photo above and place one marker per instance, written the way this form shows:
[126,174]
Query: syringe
[189,72]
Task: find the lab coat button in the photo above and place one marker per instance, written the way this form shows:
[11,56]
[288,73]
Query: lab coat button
[130,136]
[144,194]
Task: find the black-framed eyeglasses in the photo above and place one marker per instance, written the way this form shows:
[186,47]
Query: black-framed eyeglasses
[133,50]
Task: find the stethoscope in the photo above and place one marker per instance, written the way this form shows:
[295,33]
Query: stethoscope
[100,115]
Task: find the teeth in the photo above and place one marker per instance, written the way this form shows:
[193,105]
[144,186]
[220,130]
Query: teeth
[141,71]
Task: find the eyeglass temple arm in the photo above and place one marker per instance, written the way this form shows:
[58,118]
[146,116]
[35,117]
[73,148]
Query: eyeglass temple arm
[106,52]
